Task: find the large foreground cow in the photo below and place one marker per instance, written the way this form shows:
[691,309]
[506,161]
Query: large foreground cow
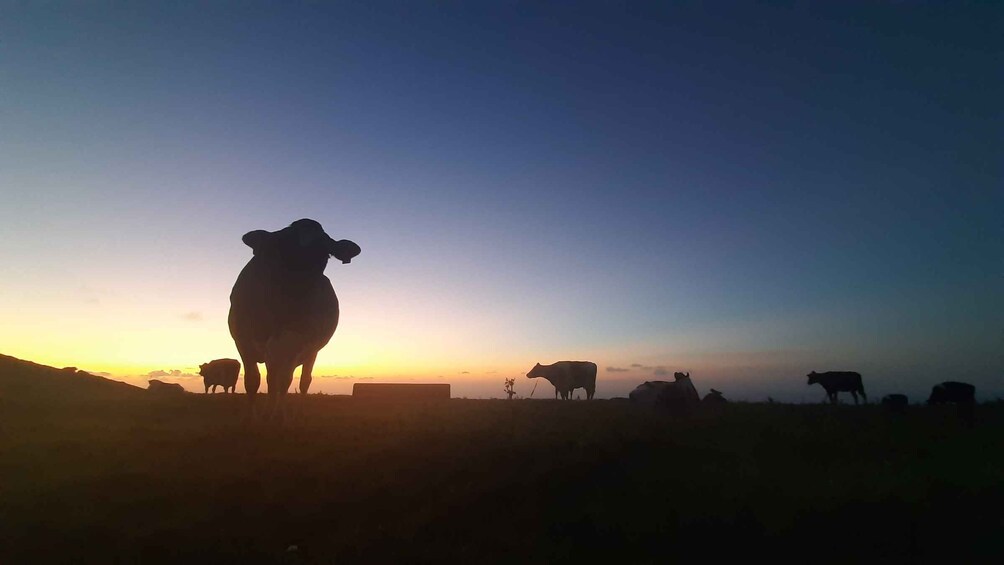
[283,309]
[567,376]
[220,372]
[839,381]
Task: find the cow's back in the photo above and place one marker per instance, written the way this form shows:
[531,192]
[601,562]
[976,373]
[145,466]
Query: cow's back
[841,380]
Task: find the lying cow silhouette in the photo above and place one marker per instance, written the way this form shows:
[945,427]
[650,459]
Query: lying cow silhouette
[162,388]
[677,396]
[896,403]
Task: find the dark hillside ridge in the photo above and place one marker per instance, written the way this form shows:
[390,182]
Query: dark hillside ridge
[27,381]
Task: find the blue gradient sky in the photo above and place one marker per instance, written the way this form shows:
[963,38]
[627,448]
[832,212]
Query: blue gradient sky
[746,191]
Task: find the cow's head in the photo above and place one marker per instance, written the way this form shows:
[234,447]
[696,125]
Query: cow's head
[938,394]
[308,236]
[202,369]
[678,375]
[536,371]
[813,378]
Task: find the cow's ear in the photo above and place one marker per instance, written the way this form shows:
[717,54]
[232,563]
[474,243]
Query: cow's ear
[256,239]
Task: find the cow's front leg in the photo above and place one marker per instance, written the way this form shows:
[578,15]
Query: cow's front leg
[252,377]
[305,373]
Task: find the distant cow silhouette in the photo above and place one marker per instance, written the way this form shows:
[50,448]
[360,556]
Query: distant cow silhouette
[220,372]
[962,395]
[567,376]
[160,387]
[839,381]
[951,392]
[677,396]
[714,397]
[895,402]
[283,309]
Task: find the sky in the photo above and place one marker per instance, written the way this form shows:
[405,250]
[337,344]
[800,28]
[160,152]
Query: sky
[747,191]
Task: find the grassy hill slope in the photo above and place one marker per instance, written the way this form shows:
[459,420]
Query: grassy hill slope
[137,478]
[26,382]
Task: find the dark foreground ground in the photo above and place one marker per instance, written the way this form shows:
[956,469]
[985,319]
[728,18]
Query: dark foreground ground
[125,477]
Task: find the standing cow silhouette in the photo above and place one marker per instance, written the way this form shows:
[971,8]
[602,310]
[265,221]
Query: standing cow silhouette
[283,309]
[839,381]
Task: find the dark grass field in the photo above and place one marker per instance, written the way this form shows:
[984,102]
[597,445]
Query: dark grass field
[103,474]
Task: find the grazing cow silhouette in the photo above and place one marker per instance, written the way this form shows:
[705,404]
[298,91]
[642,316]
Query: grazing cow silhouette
[951,392]
[567,376]
[220,372]
[962,395]
[839,381]
[283,309]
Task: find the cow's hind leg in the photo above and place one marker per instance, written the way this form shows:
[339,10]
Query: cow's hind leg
[589,393]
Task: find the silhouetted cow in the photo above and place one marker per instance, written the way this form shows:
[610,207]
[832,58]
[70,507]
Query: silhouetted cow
[567,376]
[962,395]
[895,402]
[220,372]
[283,309]
[160,387]
[951,392]
[714,397]
[839,381]
[679,395]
